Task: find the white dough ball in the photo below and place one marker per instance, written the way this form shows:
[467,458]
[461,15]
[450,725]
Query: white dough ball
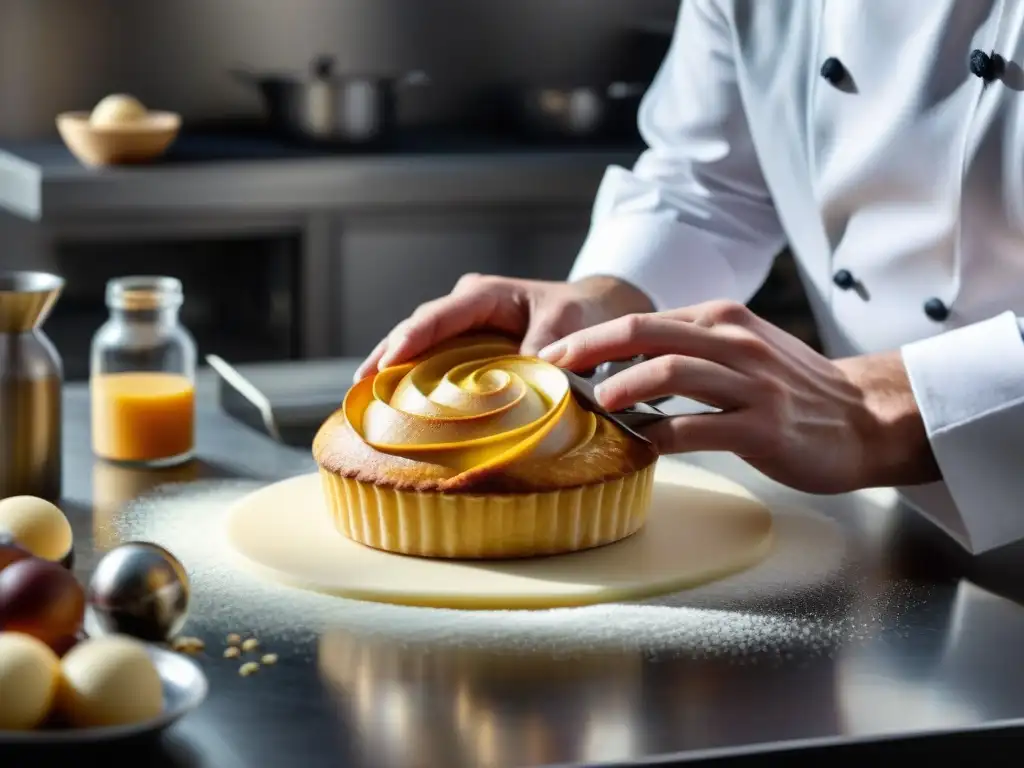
[117,109]
[29,672]
[36,525]
[109,681]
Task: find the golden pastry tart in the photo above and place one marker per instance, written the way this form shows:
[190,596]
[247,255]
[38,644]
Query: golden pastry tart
[475,451]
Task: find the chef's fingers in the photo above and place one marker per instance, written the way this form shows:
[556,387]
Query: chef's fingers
[735,319]
[620,339]
[710,314]
[729,431]
[370,363]
[542,330]
[650,335]
[707,382]
[440,320]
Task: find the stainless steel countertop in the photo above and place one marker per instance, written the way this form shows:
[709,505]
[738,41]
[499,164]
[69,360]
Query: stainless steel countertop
[866,624]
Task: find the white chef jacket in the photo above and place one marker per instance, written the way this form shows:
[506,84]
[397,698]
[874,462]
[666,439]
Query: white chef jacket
[904,175]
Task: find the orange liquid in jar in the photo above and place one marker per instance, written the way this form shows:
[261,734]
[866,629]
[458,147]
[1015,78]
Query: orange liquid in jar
[142,416]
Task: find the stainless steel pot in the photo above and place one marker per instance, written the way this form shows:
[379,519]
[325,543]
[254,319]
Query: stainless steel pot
[328,107]
[577,111]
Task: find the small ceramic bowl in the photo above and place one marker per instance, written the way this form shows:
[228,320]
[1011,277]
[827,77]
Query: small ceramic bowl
[137,142]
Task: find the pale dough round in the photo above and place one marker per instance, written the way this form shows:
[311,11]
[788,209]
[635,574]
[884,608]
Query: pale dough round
[36,525]
[29,672]
[116,110]
[701,527]
[108,681]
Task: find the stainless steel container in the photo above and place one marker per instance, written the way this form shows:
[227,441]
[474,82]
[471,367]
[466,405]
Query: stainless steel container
[329,107]
[31,377]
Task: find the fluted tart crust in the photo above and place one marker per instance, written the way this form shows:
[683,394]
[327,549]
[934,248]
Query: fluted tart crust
[476,451]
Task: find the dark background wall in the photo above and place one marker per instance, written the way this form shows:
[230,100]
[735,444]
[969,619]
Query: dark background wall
[57,55]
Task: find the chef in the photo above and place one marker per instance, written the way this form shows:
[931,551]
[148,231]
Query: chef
[884,143]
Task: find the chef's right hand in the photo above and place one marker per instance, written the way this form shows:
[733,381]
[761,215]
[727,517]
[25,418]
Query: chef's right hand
[538,311]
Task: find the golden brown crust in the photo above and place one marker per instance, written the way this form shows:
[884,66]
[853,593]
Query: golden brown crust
[612,453]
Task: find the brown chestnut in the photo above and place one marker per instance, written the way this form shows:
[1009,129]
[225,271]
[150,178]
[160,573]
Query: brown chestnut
[42,599]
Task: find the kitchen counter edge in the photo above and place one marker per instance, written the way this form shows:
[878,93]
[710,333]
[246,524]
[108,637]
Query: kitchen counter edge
[56,187]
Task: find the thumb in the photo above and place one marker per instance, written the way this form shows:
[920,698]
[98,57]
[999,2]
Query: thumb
[542,331]
[539,337]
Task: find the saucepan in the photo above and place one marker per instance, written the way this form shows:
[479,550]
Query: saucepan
[579,111]
[329,107]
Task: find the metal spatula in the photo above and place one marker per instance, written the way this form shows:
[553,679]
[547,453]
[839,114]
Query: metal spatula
[631,419]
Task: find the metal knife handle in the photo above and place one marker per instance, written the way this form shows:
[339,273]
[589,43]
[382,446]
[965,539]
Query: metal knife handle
[630,419]
[640,419]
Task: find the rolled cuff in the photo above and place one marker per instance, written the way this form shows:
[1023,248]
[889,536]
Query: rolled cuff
[969,387]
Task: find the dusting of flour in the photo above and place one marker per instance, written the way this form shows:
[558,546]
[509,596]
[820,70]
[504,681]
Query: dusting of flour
[808,596]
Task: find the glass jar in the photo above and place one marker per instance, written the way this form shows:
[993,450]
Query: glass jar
[142,376]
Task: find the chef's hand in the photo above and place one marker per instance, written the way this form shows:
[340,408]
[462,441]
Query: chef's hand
[806,421]
[538,311]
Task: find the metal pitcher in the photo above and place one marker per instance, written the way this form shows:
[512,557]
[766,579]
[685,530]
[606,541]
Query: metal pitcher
[31,378]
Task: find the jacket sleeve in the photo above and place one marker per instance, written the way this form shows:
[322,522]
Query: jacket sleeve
[693,220]
[969,386]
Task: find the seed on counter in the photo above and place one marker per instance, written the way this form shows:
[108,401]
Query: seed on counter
[234,639]
[232,652]
[189,645]
[249,668]
[250,644]
[268,659]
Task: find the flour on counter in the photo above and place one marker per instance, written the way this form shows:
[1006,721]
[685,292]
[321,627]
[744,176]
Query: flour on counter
[810,595]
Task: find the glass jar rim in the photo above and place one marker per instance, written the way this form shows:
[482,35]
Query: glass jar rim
[144,292]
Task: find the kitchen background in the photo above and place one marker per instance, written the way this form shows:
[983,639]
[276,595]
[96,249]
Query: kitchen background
[270,270]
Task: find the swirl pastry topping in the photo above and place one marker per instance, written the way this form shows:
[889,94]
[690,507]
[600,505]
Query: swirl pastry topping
[473,408]
[477,451]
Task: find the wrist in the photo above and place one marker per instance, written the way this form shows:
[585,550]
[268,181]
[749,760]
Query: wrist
[616,296]
[896,449]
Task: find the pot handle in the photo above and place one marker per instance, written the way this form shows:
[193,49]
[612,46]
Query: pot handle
[620,90]
[412,79]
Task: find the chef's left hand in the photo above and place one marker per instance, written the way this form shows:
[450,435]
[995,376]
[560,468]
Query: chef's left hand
[811,423]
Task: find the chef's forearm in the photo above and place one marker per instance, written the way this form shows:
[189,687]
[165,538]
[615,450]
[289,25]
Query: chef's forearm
[693,219]
[619,297]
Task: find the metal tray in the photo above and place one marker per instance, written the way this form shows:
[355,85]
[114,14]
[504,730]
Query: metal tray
[272,399]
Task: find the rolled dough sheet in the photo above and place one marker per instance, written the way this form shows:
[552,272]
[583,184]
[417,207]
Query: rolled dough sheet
[701,527]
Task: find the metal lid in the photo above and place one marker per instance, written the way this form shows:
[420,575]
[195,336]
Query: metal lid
[144,292]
